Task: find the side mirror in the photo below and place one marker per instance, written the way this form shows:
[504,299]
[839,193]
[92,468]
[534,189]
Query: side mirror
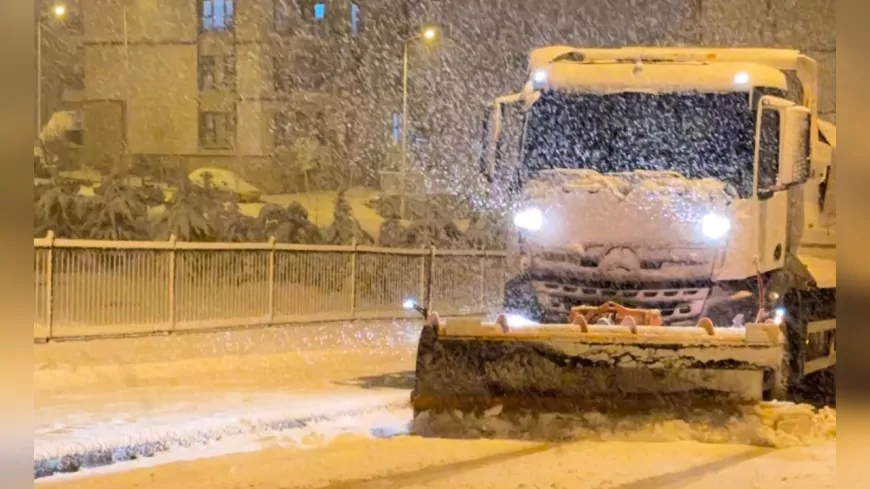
[783,140]
[769,144]
[795,151]
[502,151]
[484,148]
[765,194]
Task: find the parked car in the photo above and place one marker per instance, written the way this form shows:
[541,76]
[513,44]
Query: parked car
[226,180]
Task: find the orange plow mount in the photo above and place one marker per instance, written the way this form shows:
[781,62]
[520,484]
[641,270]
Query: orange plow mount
[607,359]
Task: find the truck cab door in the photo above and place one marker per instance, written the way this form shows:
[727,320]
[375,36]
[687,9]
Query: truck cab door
[507,161]
[499,159]
[782,143]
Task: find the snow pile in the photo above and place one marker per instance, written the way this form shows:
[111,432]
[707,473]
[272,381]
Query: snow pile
[656,209]
[773,424]
[621,184]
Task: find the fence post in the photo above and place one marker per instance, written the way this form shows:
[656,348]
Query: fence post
[271,311]
[49,286]
[353,260]
[172,265]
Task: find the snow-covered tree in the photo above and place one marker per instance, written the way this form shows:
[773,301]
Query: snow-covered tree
[392,234]
[485,231]
[119,211]
[307,155]
[204,213]
[345,228]
[436,229]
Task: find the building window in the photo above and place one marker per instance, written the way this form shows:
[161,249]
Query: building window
[354,19]
[301,71]
[217,130]
[77,80]
[282,130]
[217,15]
[313,14]
[397,127]
[282,76]
[217,73]
[289,126]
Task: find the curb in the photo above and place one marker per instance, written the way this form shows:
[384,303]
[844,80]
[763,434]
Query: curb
[101,456]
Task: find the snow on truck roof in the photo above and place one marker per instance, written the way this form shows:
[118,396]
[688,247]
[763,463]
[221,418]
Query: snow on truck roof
[619,77]
[780,59]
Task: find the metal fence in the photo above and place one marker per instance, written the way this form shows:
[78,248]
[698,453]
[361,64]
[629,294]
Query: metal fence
[95,288]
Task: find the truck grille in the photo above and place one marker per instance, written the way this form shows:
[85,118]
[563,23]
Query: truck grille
[624,264]
[676,304]
[675,281]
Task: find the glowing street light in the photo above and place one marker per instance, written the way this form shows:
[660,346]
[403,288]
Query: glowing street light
[59,11]
[427,34]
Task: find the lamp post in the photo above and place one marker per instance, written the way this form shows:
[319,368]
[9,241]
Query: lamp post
[428,34]
[59,12]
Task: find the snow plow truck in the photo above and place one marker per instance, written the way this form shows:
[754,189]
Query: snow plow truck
[672,241]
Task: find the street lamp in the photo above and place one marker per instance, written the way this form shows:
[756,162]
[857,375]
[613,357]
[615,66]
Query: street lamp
[427,34]
[59,11]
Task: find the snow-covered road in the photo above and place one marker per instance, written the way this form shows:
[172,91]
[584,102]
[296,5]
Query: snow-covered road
[99,402]
[327,408]
[358,453]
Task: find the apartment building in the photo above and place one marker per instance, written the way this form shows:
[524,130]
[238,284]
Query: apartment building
[268,88]
[272,88]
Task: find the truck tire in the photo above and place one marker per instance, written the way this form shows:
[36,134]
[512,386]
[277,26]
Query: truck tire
[803,306]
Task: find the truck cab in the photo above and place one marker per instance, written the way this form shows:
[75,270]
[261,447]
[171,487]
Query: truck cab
[685,180]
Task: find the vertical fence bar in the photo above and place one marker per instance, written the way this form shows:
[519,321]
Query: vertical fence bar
[271,311]
[421,294]
[172,266]
[482,301]
[353,262]
[429,279]
[49,286]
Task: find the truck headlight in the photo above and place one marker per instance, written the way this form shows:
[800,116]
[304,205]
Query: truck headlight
[539,79]
[778,315]
[529,219]
[715,226]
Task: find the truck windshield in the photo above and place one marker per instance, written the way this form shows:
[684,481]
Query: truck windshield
[696,134]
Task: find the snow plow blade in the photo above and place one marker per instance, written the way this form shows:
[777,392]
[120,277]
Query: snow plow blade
[472,366]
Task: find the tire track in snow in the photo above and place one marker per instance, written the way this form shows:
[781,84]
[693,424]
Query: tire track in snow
[422,477]
[674,480]
[100,454]
[430,474]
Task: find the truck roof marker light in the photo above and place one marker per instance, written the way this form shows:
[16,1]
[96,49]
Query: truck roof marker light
[741,78]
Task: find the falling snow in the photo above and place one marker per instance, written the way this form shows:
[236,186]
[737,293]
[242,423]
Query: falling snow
[172,134]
